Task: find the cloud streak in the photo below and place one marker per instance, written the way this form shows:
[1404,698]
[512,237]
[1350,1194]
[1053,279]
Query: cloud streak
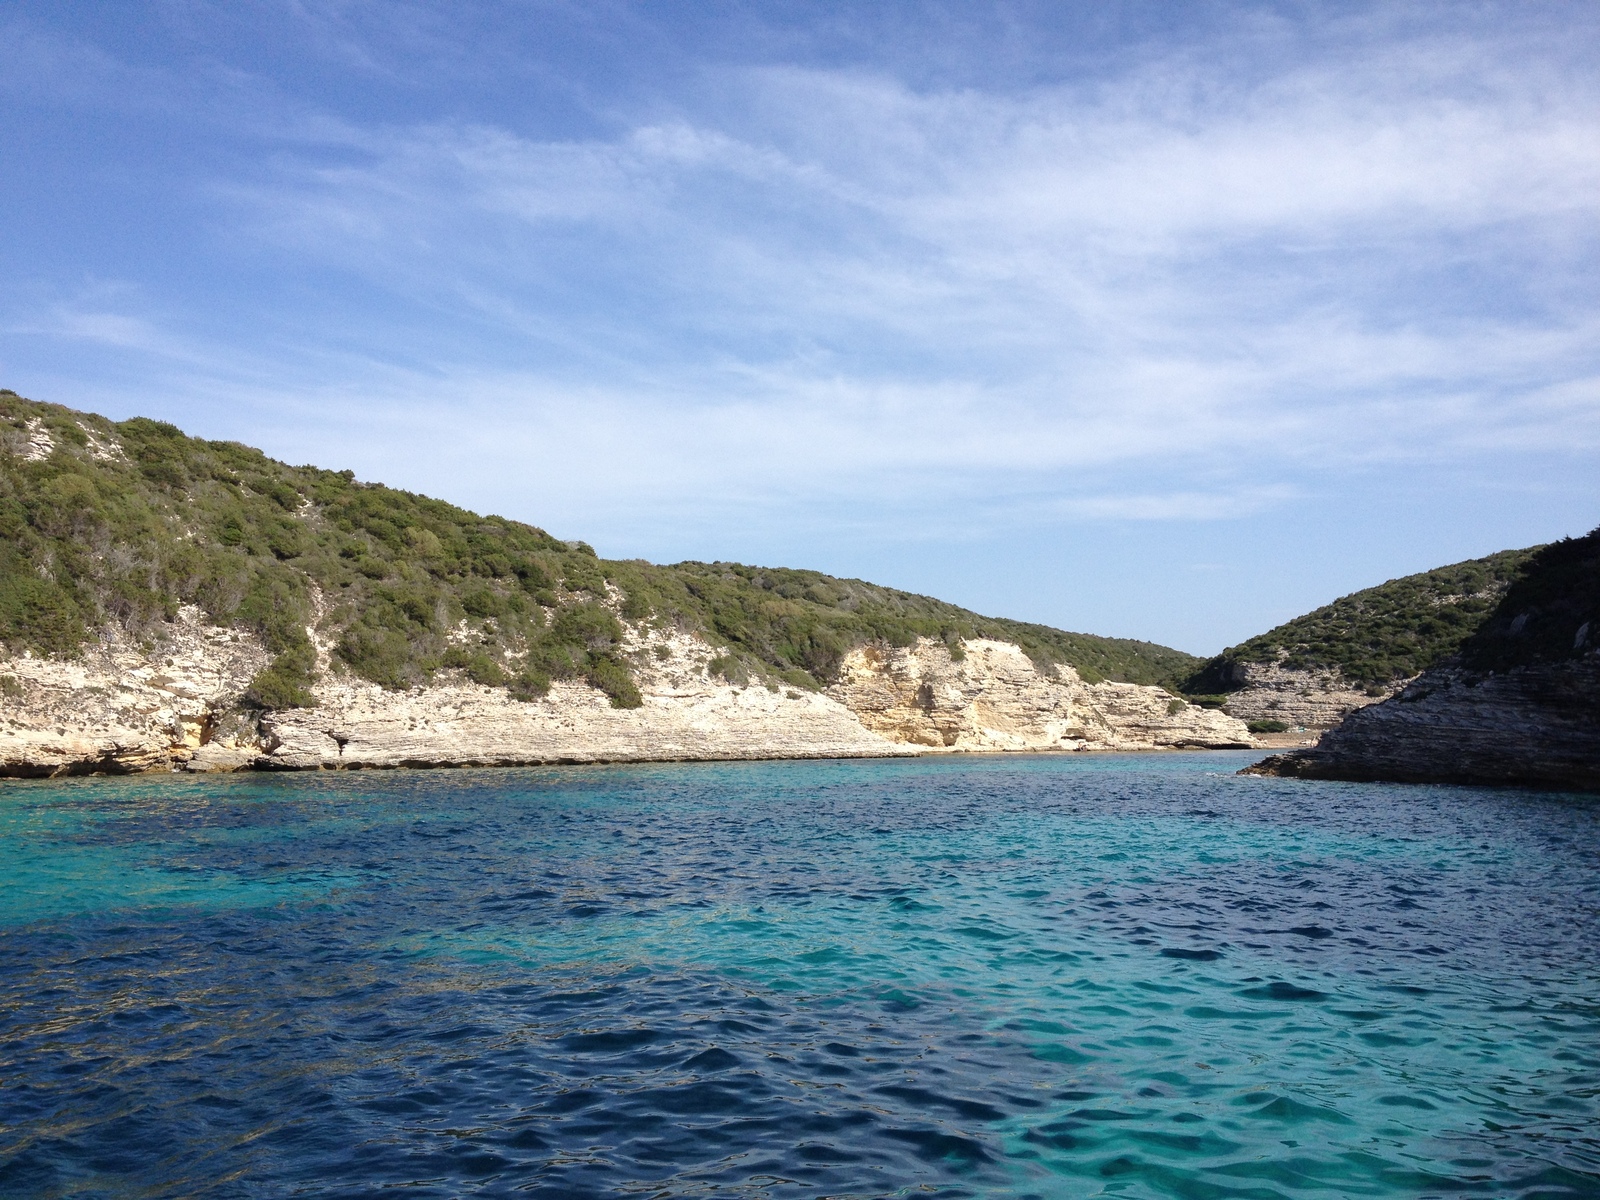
[1381,256]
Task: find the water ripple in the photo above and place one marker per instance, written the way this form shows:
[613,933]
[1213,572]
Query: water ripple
[998,977]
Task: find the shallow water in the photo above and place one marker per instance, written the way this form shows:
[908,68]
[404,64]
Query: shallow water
[1133,975]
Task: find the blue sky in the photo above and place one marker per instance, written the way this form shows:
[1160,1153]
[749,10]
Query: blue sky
[1164,321]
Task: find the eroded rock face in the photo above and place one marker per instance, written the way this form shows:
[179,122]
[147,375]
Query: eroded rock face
[1304,699]
[124,708]
[686,715]
[995,698]
[1535,726]
[174,704]
[126,705]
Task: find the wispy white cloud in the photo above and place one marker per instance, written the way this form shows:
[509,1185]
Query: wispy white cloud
[1166,265]
[1228,268]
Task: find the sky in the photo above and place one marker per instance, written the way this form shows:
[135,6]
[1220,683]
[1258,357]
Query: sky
[1141,319]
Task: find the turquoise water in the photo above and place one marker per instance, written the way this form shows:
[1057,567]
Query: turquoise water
[1135,975]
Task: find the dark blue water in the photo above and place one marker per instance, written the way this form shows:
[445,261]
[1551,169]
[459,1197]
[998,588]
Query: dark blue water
[1059,976]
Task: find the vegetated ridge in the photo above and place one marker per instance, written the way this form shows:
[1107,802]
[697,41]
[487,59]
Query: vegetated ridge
[1550,613]
[104,521]
[1518,704]
[1380,634]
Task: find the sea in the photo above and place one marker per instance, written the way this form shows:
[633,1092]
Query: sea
[985,976]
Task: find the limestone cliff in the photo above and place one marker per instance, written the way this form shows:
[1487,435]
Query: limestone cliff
[1306,699]
[172,702]
[1535,726]
[127,704]
[994,698]
[688,713]
[1313,671]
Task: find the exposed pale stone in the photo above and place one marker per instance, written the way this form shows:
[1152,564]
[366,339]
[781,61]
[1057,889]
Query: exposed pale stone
[125,705]
[39,444]
[103,449]
[1300,699]
[29,753]
[686,715]
[221,757]
[173,703]
[995,698]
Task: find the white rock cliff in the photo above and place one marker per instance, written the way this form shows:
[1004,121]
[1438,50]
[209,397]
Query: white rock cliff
[994,698]
[172,703]
[1306,699]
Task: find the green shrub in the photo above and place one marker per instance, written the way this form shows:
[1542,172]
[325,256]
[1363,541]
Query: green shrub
[801,679]
[587,625]
[1268,726]
[37,614]
[530,685]
[477,664]
[613,678]
[286,682]
[275,688]
[581,573]
[381,655]
[285,540]
[532,576]
[636,604]
[480,600]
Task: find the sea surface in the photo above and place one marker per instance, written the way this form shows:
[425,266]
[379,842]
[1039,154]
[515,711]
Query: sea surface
[1052,976]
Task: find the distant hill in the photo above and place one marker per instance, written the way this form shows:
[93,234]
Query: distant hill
[104,521]
[1380,634]
[1519,704]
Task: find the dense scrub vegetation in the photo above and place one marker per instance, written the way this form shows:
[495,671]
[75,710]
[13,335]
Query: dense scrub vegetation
[125,521]
[1550,613]
[1384,633]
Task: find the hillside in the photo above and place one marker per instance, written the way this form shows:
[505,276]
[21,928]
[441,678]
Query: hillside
[124,522]
[1550,614]
[1518,705]
[1379,635]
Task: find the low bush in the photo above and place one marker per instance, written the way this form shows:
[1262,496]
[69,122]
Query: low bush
[613,678]
[477,664]
[730,668]
[278,687]
[529,685]
[800,678]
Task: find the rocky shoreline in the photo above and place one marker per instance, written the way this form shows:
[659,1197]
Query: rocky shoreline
[173,702]
[1533,726]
